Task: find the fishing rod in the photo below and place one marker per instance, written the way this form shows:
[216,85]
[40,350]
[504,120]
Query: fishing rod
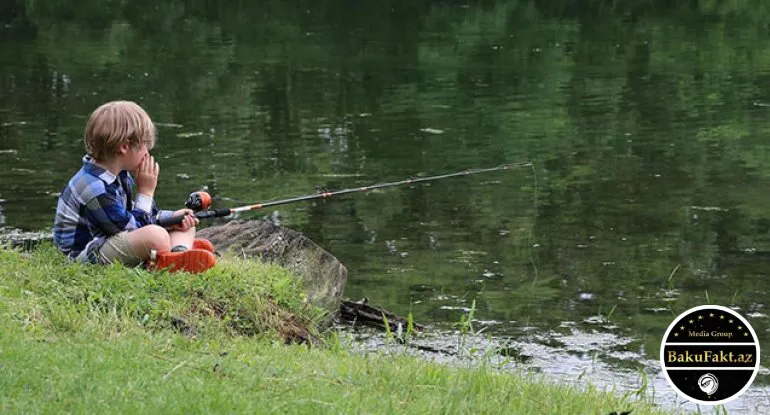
[200,201]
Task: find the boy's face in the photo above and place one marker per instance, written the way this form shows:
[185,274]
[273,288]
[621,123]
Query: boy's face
[134,156]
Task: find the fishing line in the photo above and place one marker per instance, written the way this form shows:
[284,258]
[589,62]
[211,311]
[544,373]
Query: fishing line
[532,227]
[200,201]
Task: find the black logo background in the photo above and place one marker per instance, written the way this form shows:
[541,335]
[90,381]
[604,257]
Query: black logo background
[730,382]
[706,340]
[706,321]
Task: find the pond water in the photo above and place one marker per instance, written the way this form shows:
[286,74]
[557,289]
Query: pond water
[646,125]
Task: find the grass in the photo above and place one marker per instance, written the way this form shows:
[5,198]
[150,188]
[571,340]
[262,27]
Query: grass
[44,291]
[87,339]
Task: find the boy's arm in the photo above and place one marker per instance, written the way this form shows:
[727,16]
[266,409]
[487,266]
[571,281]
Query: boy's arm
[107,213]
[145,211]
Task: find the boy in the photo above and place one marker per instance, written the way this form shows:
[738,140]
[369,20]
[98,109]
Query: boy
[96,219]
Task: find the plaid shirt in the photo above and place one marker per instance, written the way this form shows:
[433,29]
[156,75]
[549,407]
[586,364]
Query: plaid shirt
[95,205]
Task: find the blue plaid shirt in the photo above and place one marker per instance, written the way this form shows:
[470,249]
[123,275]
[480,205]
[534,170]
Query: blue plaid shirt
[95,205]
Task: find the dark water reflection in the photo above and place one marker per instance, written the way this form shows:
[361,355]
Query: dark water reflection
[646,124]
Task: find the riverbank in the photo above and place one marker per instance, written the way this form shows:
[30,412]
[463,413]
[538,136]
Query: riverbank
[109,339]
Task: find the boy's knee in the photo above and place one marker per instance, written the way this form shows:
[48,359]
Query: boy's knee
[153,237]
[159,237]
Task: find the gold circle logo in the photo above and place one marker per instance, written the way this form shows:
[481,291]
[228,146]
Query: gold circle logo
[710,354]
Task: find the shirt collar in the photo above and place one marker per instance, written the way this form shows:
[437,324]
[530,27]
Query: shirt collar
[91,168]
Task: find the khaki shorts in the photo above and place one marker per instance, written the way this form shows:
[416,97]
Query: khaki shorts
[118,249]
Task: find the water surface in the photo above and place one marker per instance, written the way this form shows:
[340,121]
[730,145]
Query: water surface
[646,125]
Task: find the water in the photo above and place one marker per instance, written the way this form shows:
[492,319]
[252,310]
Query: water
[645,123]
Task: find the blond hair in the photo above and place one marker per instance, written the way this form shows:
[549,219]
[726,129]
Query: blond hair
[114,124]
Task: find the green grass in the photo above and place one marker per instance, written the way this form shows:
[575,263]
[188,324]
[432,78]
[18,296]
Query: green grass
[45,291]
[89,339]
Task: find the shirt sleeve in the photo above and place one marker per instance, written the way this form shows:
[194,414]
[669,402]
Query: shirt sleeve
[107,213]
[142,217]
[146,212]
[144,203]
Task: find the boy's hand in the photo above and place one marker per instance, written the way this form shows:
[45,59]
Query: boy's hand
[189,220]
[147,176]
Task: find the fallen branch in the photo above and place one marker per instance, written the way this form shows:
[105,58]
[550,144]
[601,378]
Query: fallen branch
[363,313]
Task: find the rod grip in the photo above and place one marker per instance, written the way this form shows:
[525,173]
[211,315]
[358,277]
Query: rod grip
[214,213]
[204,214]
[170,220]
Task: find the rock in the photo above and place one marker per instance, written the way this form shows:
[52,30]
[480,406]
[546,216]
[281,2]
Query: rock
[16,238]
[323,276]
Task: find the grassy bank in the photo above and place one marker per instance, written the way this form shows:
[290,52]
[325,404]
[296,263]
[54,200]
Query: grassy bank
[80,338]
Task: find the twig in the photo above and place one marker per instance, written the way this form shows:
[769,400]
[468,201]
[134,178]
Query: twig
[672,272]
[174,370]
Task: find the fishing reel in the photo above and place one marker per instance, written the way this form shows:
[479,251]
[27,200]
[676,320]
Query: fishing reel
[198,201]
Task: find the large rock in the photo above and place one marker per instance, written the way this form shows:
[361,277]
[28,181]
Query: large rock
[323,276]
[16,238]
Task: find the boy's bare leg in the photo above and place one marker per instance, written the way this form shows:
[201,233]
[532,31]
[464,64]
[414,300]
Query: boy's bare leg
[184,238]
[149,237]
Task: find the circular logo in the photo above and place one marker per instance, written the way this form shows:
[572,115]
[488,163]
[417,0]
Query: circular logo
[710,354]
[708,383]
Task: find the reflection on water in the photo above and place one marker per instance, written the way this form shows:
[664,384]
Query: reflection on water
[645,123]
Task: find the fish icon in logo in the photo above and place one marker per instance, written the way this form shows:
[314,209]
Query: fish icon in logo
[708,383]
